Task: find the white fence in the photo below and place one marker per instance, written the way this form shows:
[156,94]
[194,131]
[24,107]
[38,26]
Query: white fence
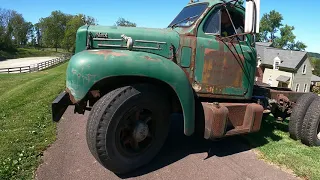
[35,67]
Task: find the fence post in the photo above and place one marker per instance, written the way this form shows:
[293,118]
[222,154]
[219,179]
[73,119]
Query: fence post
[8,70]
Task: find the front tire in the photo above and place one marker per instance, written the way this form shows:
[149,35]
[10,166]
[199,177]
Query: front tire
[311,125]
[127,127]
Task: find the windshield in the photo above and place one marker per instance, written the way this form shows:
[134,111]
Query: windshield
[189,15]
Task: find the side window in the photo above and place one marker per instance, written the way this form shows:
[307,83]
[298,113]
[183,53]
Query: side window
[304,69]
[231,27]
[297,87]
[212,25]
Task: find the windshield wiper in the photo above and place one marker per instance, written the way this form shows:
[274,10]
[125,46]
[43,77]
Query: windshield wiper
[185,19]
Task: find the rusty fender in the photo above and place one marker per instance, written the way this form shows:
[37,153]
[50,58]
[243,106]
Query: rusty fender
[88,67]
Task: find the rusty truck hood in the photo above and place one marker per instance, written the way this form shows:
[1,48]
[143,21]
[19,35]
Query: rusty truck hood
[152,40]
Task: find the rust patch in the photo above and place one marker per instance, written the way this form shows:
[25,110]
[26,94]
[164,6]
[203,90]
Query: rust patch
[73,100]
[215,120]
[150,58]
[107,53]
[226,119]
[95,93]
[222,69]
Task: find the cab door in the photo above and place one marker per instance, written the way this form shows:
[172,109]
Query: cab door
[222,69]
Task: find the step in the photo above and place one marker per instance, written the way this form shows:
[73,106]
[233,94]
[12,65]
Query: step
[226,119]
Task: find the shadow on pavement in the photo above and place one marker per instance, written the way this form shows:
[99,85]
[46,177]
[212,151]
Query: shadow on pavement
[178,146]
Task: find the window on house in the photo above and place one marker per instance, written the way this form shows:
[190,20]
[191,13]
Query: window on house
[270,81]
[297,87]
[276,62]
[305,88]
[304,69]
[276,65]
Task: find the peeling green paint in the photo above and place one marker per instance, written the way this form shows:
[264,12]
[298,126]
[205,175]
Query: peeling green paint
[88,67]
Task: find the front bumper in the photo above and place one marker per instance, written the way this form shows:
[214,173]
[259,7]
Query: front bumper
[60,105]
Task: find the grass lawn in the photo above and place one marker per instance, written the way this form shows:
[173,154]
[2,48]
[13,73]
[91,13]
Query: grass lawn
[30,52]
[275,145]
[26,128]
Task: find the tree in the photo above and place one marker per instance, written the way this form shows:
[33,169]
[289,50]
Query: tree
[316,65]
[241,2]
[5,29]
[53,28]
[38,33]
[299,46]
[124,22]
[71,29]
[286,39]
[271,26]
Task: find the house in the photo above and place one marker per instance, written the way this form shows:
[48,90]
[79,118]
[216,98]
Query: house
[315,80]
[283,68]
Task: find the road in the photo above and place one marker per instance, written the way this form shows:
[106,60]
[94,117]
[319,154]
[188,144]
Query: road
[23,61]
[181,158]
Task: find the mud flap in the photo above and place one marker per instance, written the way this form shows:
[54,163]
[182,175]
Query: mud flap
[60,105]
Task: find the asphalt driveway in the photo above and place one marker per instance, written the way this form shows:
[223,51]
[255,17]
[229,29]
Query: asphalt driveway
[181,158]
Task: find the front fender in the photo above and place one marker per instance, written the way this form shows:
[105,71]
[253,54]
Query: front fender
[88,67]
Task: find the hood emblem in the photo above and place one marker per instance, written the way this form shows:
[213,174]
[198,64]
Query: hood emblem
[101,35]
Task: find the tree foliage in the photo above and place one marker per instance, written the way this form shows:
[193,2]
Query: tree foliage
[282,36]
[241,2]
[57,30]
[71,29]
[124,22]
[270,24]
[316,65]
[5,29]
[21,30]
[53,28]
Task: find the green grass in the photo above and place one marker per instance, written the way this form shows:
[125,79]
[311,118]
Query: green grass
[30,52]
[26,128]
[276,146]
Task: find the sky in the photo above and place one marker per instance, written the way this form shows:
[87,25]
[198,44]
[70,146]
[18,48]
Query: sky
[303,15]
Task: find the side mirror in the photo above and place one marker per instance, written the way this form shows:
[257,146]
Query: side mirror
[252,20]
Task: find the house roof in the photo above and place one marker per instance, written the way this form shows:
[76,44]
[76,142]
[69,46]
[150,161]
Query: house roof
[267,44]
[289,59]
[282,78]
[315,78]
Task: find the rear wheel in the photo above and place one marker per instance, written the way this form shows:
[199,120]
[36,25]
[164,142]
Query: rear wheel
[298,114]
[311,125]
[127,127]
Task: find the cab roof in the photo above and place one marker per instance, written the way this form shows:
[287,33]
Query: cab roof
[210,2]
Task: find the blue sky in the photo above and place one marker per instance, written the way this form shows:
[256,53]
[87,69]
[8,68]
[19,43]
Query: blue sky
[304,15]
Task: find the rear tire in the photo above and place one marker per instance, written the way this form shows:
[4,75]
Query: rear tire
[127,127]
[298,114]
[311,125]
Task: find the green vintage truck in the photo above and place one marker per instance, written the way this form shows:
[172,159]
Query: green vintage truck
[202,66]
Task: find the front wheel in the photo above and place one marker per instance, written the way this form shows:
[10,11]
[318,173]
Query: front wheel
[127,127]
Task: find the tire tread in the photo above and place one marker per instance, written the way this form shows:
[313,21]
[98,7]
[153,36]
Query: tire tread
[298,114]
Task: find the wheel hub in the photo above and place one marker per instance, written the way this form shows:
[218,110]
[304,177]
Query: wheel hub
[140,131]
